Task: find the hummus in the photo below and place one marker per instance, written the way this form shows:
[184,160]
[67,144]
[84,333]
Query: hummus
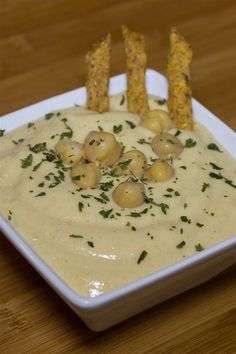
[87,239]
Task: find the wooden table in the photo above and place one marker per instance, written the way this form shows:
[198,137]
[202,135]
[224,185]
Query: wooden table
[42,48]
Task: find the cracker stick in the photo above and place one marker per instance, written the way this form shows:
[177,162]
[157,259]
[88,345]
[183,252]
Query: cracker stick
[136,61]
[98,67]
[178,73]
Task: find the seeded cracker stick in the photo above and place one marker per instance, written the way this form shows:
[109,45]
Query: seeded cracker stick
[178,73]
[136,61]
[98,67]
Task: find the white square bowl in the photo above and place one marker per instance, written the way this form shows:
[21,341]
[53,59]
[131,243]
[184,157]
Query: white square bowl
[108,309]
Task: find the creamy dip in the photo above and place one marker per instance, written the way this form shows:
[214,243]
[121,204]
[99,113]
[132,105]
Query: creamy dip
[88,240]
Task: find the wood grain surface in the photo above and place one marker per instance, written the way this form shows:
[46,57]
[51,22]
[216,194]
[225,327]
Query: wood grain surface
[42,49]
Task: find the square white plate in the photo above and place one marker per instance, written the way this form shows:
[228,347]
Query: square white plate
[108,309]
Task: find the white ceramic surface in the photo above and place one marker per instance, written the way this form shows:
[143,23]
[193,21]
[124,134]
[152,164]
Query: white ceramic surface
[106,310]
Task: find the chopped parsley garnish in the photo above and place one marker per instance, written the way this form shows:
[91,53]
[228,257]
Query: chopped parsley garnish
[16,142]
[205,186]
[199,225]
[30,124]
[131,124]
[138,214]
[49,116]
[142,256]
[185,219]
[215,167]
[189,143]
[124,164]
[104,197]
[122,101]
[117,128]
[106,186]
[178,132]
[76,236]
[90,243]
[163,207]
[143,141]
[2,131]
[181,244]
[38,147]
[215,175]
[27,161]
[41,194]
[37,166]
[81,206]
[214,147]
[105,213]
[199,247]
[77,178]
[9,217]
[69,133]
[161,102]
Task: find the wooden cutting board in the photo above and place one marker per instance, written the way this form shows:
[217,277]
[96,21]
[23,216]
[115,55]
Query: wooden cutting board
[42,49]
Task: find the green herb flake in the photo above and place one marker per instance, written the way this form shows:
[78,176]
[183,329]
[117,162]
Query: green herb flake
[131,124]
[161,102]
[185,219]
[117,128]
[199,225]
[214,147]
[122,101]
[38,147]
[163,207]
[205,186]
[90,243]
[105,213]
[9,217]
[124,164]
[134,214]
[199,247]
[181,245]
[36,167]
[189,143]
[143,141]
[27,161]
[49,116]
[215,167]
[18,141]
[30,125]
[178,132]
[76,236]
[142,256]
[104,196]
[81,206]
[106,186]
[41,194]
[215,175]
[2,131]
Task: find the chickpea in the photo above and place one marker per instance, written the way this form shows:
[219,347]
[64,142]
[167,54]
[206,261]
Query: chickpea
[132,162]
[102,148]
[129,194]
[167,146]
[157,120]
[86,176]
[160,171]
[69,151]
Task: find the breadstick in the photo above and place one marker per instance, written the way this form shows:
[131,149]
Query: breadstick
[178,73]
[136,61]
[98,68]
